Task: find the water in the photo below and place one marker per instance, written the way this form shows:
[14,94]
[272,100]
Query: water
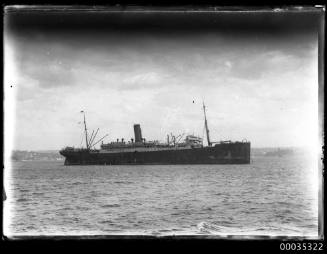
[271,196]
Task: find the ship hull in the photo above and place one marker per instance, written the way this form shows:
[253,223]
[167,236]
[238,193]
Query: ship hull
[227,153]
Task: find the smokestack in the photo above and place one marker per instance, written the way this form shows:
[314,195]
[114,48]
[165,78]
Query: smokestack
[137,133]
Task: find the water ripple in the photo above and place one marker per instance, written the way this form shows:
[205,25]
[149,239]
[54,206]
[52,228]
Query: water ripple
[261,198]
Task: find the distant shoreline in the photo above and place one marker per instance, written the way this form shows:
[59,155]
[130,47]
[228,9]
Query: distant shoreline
[18,155]
[53,155]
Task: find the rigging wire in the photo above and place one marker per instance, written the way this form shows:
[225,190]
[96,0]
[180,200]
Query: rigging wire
[80,145]
[81,137]
[203,134]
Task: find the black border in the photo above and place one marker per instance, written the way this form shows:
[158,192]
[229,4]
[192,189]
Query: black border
[196,243]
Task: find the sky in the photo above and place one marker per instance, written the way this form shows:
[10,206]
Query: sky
[258,77]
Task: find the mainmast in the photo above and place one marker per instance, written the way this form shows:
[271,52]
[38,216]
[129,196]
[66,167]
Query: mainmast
[206,124]
[86,141]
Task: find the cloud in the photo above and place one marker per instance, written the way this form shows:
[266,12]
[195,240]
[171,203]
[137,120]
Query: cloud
[262,64]
[141,80]
[153,61]
[119,82]
[228,64]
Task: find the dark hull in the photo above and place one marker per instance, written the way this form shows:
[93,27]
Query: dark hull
[229,153]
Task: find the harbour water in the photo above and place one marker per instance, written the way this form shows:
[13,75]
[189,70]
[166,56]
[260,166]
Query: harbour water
[270,196]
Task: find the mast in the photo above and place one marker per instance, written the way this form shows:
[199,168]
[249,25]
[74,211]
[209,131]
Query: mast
[86,141]
[206,125]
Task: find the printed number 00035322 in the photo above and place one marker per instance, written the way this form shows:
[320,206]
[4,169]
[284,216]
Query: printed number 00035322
[301,246]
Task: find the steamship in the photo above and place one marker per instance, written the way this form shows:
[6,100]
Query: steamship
[138,151]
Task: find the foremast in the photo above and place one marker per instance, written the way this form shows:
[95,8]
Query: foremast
[91,142]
